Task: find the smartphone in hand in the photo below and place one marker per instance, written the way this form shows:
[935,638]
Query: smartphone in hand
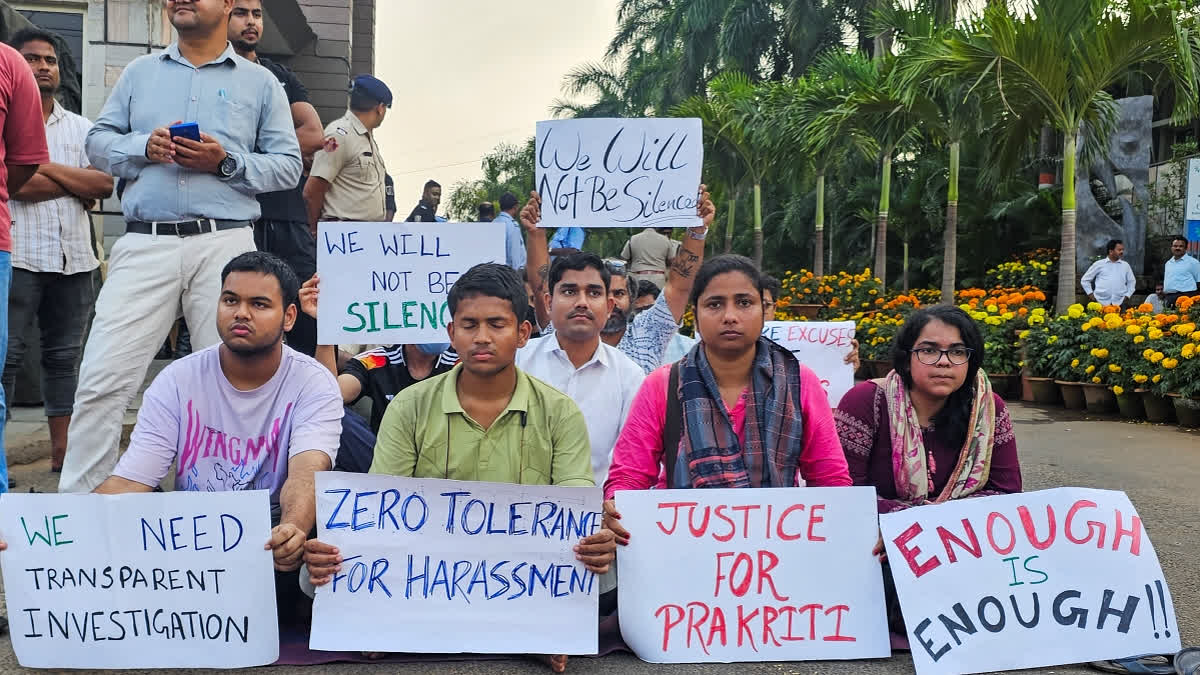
[188,130]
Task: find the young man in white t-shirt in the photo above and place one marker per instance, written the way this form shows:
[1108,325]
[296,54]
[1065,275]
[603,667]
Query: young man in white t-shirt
[248,413]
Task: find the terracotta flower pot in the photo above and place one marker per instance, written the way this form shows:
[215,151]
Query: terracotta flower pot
[1187,411]
[1026,389]
[1159,408]
[806,311]
[1045,391]
[1131,406]
[1002,384]
[1099,399]
[1072,394]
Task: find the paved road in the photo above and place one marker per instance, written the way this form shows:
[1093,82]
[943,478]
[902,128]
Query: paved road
[1159,467]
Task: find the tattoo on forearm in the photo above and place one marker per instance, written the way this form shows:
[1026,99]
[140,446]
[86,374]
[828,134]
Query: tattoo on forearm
[684,264]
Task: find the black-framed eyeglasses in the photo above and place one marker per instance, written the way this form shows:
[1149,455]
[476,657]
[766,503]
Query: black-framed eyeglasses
[931,356]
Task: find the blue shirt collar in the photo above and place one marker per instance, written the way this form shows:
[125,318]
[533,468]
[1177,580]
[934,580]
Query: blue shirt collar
[172,52]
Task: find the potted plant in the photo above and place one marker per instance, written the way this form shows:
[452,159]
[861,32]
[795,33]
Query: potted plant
[1180,361]
[1069,372]
[1043,361]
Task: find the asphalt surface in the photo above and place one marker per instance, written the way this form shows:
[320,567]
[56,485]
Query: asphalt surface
[1158,466]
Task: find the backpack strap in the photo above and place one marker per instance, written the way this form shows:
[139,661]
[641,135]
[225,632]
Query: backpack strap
[672,426]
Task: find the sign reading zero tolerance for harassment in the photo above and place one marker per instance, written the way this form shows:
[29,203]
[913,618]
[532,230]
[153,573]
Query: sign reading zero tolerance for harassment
[619,172]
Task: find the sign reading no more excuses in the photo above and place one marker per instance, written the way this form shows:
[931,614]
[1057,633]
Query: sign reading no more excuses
[771,574]
[619,172]
[447,566]
[140,581]
[1028,580]
[820,345]
[386,283]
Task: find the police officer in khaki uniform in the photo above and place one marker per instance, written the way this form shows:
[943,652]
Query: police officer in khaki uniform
[347,177]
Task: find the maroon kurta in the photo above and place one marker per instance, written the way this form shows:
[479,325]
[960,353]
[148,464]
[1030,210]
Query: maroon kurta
[865,431]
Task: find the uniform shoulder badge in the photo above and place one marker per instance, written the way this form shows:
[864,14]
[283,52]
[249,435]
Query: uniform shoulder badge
[330,144]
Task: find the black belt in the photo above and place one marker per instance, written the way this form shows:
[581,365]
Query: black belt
[186,228]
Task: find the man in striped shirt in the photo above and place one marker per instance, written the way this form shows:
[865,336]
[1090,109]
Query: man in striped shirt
[53,255]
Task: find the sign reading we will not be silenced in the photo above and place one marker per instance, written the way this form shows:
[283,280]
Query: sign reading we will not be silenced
[1028,580]
[820,345]
[770,574]
[386,283]
[444,566]
[96,581]
[619,172]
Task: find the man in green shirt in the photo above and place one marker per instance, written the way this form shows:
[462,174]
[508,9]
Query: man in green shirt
[485,420]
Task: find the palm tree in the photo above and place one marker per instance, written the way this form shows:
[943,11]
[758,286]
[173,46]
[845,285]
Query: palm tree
[735,121]
[1055,63]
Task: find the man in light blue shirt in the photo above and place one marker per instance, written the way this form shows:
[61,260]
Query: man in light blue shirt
[188,207]
[514,243]
[1182,273]
[566,240]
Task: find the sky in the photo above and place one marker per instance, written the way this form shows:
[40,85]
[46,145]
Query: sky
[467,75]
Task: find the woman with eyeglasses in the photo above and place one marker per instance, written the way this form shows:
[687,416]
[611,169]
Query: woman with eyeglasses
[932,430]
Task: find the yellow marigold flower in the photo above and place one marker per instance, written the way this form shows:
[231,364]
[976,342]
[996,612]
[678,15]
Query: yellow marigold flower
[1096,380]
[1089,370]
[1140,379]
[1154,333]
[1133,329]
[1170,363]
[1118,390]
[1156,357]
[1195,337]
[1075,363]
[1023,334]
[1037,320]
[1156,379]
[965,307]
[1075,307]
[1148,353]
[1052,339]
[1075,313]
[1189,351]
[1114,368]
[1094,307]
[1139,339]
[1085,327]
[992,309]
[1039,311]
[1007,316]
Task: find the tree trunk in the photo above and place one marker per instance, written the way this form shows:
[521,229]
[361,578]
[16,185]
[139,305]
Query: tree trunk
[950,250]
[1066,253]
[819,240]
[758,228]
[729,225]
[905,268]
[881,225]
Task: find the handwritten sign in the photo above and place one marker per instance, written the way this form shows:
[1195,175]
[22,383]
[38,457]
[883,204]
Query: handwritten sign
[140,581]
[446,566]
[1028,580]
[619,172]
[386,283]
[820,345]
[774,574]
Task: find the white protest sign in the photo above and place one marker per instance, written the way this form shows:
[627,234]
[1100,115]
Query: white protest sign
[386,283]
[619,172]
[1028,580]
[771,574]
[822,346]
[1192,198]
[176,580]
[443,566]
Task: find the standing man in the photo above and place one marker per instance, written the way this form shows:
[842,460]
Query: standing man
[53,256]
[389,199]
[426,209]
[648,253]
[1110,281]
[22,149]
[347,181]
[567,240]
[486,212]
[189,208]
[283,227]
[1182,273]
[514,243]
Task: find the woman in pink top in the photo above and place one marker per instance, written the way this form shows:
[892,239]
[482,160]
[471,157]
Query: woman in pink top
[749,415]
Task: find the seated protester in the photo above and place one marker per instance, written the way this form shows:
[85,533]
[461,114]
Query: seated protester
[646,337]
[378,374]
[738,410]
[249,386]
[932,430]
[528,432]
[598,377]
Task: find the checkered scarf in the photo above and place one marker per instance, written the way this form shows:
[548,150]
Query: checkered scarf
[709,450]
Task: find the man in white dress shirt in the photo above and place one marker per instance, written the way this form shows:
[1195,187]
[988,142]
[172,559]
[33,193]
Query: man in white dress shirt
[1110,280]
[598,377]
